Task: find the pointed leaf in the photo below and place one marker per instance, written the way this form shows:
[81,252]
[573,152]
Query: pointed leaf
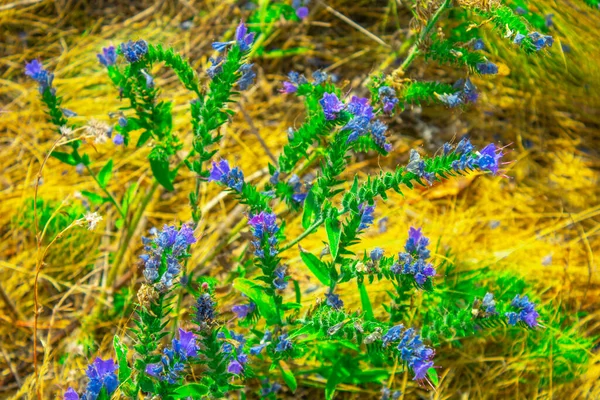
[365,301]
[288,376]
[334,233]
[105,174]
[160,170]
[121,350]
[433,376]
[316,266]
[193,390]
[311,210]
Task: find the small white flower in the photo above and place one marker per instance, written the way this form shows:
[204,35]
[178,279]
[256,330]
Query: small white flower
[92,219]
[66,131]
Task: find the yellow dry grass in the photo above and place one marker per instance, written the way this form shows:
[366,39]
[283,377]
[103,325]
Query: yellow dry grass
[549,205]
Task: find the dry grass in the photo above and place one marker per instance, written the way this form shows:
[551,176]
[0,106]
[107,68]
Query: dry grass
[548,107]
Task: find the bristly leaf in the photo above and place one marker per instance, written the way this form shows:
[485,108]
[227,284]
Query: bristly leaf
[365,301]
[288,376]
[124,369]
[332,227]
[316,266]
[105,174]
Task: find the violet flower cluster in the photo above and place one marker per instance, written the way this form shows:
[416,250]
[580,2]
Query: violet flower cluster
[467,93]
[101,374]
[242,310]
[387,96]
[221,172]
[172,360]
[35,70]
[412,350]
[244,40]
[488,159]
[205,310]
[108,57]
[264,228]
[301,8]
[367,215]
[168,246]
[133,51]
[415,260]
[526,312]
[237,357]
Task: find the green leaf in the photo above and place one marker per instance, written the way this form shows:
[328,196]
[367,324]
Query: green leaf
[365,301]
[334,233]
[143,138]
[160,170]
[316,266]
[105,174]
[335,377]
[288,376]
[265,303]
[129,194]
[311,209]
[94,197]
[64,157]
[121,350]
[433,376]
[193,390]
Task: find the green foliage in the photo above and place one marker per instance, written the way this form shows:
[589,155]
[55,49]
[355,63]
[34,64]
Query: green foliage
[52,216]
[447,52]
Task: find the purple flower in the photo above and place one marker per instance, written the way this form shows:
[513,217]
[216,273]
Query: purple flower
[489,158]
[101,373]
[264,227]
[526,313]
[464,146]
[392,335]
[366,216]
[414,260]
[331,105]
[243,38]
[319,77]
[302,12]
[243,310]
[118,139]
[420,369]
[35,71]
[378,130]
[108,57]
[540,41]
[186,345]
[134,51]
[487,68]
[489,303]
[284,343]
[360,107]
[71,394]
[155,369]
[289,87]
[222,172]
[415,353]
[235,367]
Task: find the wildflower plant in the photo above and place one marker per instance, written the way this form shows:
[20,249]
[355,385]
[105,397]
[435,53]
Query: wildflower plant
[210,355]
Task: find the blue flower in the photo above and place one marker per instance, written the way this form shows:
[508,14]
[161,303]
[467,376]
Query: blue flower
[101,374]
[186,346]
[108,57]
[243,38]
[284,343]
[171,242]
[235,367]
[464,146]
[489,303]
[268,389]
[540,41]
[118,139]
[264,227]
[487,68]
[467,90]
[280,282]
[247,77]
[479,45]
[520,10]
[415,260]
[134,51]
[366,216]
[518,39]
[360,107]
[387,95]
[35,71]
[215,68]
[301,8]
[334,301]
[221,46]
[376,254]
[450,99]
[415,164]
[319,77]
[71,394]
[331,105]
[243,310]
[122,122]
[415,353]
[526,313]
[222,172]
[489,158]
[392,335]
[378,130]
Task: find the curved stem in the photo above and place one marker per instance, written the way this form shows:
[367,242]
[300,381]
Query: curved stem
[414,50]
[110,196]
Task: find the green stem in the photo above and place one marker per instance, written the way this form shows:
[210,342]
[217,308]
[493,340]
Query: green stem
[304,234]
[110,196]
[414,50]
